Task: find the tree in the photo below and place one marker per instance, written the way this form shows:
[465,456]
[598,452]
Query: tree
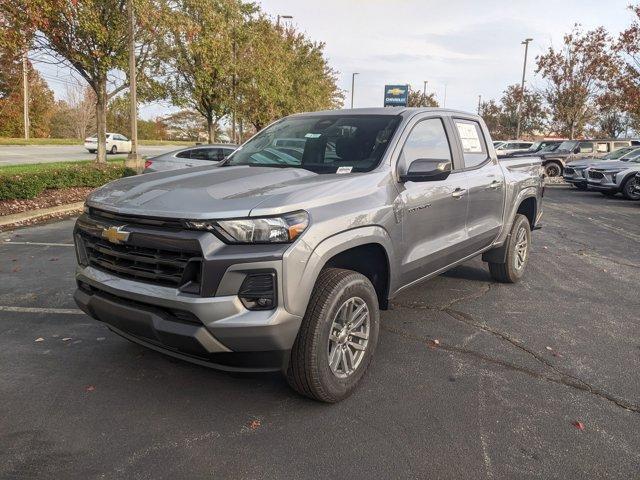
[576,75]
[491,113]
[281,72]
[199,49]
[627,83]
[41,101]
[417,98]
[184,125]
[532,112]
[89,36]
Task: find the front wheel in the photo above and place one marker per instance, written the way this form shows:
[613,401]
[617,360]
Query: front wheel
[629,189]
[519,243]
[114,150]
[337,337]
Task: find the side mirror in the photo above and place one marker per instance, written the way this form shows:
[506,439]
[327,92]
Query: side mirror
[427,170]
[576,150]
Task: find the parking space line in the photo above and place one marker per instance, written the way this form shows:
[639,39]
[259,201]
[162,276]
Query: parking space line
[66,311]
[41,244]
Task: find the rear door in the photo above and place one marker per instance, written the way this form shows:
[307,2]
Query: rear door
[486,184]
[433,213]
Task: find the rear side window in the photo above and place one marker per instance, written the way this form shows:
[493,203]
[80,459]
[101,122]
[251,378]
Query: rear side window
[617,145]
[427,140]
[185,154]
[473,145]
[211,154]
[585,147]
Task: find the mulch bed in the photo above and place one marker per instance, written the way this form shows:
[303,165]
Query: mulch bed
[48,198]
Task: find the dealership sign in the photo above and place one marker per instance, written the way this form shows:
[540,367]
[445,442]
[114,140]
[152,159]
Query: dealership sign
[396,95]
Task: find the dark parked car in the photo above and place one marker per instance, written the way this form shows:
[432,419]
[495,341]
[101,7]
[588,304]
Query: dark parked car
[554,162]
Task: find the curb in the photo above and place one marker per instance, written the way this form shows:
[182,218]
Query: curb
[41,212]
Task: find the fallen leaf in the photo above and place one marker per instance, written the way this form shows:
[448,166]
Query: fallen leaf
[89,388]
[39,339]
[549,348]
[254,424]
[578,425]
[436,341]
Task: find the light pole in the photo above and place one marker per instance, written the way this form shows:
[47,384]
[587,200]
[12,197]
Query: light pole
[286,17]
[444,102]
[353,84]
[424,92]
[479,103]
[524,72]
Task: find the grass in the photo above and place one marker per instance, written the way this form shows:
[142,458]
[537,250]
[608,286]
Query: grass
[75,141]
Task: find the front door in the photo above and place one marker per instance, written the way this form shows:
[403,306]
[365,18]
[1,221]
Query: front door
[434,212]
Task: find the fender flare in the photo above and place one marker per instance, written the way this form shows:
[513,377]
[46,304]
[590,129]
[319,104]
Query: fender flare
[299,283]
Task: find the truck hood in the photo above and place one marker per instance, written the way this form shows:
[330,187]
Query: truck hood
[223,192]
[614,164]
[585,162]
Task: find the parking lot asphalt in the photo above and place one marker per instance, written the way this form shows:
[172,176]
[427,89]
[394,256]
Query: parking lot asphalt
[24,154]
[471,379]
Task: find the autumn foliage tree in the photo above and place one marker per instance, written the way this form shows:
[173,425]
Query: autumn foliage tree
[89,36]
[502,117]
[627,83]
[576,75]
[417,98]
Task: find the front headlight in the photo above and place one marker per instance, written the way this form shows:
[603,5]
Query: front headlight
[281,229]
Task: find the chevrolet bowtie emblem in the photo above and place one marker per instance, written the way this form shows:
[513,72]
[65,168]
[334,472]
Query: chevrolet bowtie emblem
[395,91]
[115,234]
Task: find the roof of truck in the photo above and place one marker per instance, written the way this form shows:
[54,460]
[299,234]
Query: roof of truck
[391,111]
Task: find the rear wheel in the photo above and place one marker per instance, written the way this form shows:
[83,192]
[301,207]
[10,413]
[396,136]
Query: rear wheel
[629,189]
[337,338]
[553,169]
[114,150]
[519,243]
[92,151]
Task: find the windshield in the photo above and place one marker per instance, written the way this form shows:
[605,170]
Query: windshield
[633,156]
[568,145]
[549,147]
[618,154]
[322,144]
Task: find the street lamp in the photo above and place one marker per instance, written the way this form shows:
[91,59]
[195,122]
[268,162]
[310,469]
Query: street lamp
[353,84]
[424,92]
[524,71]
[286,17]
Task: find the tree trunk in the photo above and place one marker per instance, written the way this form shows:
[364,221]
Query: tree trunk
[211,129]
[101,120]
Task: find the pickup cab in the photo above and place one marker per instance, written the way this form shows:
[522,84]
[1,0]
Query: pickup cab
[283,256]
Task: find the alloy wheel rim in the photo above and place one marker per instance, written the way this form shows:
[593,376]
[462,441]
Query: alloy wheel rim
[522,249]
[349,337]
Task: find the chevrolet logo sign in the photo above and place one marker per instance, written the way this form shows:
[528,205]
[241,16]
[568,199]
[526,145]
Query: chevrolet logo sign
[115,234]
[395,91]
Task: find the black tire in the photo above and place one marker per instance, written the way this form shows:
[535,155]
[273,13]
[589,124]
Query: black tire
[309,372]
[92,151]
[553,169]
[629,189]
[114,150]
[509,271]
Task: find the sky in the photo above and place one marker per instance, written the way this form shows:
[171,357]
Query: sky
[466,47]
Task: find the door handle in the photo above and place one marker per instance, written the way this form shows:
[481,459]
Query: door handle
[495,185]
[459,192]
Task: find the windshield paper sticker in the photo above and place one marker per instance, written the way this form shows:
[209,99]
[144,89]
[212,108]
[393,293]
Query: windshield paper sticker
[313,135]
[344,169]
[469,138]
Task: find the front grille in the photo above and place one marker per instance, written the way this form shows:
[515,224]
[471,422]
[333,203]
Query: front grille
[569,171]
[153,265]
[595,174]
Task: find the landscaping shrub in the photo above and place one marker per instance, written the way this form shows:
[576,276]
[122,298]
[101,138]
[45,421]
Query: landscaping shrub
[31,184]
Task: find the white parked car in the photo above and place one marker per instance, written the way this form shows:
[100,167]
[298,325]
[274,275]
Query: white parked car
[513,146]
[198,156]
[116,143]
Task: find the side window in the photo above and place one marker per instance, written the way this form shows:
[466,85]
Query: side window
[585,147]
[428,140]
[603,147]
[474,147]
[184,154]
[617,145]
[226,152]
[201,154]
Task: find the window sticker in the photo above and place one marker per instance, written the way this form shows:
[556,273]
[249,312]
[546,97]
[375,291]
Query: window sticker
[469,138]
[313,135]
[344,170]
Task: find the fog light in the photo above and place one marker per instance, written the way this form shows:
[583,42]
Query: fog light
[258,291]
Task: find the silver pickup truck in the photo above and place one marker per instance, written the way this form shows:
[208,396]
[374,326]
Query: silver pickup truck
[282,257]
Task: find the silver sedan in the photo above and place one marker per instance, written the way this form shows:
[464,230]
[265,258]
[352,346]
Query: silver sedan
[197,156]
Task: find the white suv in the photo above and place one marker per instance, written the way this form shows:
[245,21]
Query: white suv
[115,143]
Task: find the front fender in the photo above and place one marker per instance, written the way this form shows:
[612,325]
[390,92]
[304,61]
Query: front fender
[300,275]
